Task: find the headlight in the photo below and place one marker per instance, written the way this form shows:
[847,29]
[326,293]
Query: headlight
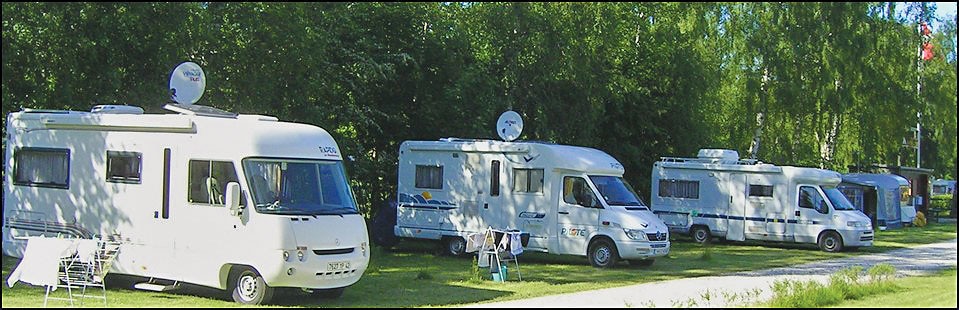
[300,255]
[363,248]
[635,234]
[856,224]
[286,256]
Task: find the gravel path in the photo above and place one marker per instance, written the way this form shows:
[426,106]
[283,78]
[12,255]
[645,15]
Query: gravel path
[738,288]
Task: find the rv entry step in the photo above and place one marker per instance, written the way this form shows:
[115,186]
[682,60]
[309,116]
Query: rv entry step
[156,287]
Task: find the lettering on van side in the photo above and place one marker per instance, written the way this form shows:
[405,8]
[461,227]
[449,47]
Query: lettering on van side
[574,232]
[329,151]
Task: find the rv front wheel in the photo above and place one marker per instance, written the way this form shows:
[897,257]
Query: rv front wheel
[249,287]
[700,234]
[602,254]
[455,246]
[830,241]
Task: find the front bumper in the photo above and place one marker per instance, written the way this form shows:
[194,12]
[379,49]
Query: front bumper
[632,249]
[857,237]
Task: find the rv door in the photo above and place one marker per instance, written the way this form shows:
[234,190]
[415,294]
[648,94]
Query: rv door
[577,214]
[812,214]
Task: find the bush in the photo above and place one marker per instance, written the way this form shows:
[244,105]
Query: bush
[920,220]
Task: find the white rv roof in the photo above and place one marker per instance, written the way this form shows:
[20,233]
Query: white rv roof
[243,135]
[552,156]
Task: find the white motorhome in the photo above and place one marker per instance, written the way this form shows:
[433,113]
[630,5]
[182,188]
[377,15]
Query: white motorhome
[719,194]
[244,203]
[569,199]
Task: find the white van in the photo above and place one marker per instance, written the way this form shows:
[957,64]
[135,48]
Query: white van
[718,194]
[569,199]
[244,203]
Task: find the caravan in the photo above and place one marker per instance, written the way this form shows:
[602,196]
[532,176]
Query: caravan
[718,194]
[244,203]
[569,199]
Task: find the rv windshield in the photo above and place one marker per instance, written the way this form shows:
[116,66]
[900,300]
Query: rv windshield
[616,191]
[299,187]
[838,200]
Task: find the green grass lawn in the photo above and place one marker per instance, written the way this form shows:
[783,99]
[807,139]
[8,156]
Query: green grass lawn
[934,291]
[411,275]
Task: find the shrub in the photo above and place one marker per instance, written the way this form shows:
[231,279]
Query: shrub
[920,220]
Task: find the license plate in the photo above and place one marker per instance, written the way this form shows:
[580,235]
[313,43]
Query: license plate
[338,266]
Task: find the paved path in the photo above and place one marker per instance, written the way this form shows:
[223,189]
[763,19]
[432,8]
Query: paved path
[737,288]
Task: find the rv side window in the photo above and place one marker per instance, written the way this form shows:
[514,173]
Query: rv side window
[208,181]
[528,180]
[760,190]
[429,177]
[810,198]
[494,179]
[123,167]
[576,191]
[679,188]
[42,167]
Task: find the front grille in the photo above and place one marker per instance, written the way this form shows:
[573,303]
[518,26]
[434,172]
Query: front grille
[334,274]
[333,251]
[865,238]
[657,236]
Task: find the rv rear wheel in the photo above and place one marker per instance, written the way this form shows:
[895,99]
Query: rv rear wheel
[332,293]
[830,241]
[455,246]
[602,254]
[700,234]
[249,287]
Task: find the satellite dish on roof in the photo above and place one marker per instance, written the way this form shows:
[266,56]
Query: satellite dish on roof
[187,83]
[509,126]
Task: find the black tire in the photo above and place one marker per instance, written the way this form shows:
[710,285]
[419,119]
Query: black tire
[330,293]
[602,254]
[248,287]
[382,227]
[643,262]
[454,246]
[700,234]
[830,241]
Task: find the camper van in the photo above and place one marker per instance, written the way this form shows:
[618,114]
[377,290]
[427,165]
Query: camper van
[244,203]
[717,194]
[568,199]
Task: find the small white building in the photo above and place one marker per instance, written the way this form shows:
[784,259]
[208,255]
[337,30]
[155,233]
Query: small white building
[718,194]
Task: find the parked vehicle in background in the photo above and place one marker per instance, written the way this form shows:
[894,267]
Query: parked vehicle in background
[717,194]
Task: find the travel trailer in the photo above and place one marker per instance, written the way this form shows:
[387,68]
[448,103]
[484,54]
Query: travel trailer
[243,203]
[568,199]
[718,194]
[880,196]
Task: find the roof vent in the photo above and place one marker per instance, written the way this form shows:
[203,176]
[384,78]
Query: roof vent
[116,109]
[719,154]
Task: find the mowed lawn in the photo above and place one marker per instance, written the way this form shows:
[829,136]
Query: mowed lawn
[413,275]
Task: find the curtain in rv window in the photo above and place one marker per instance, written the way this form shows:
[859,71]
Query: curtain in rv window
[42,167]
[208,181]
[429,177]
[760,190]
[679,188]
[528,180]
[123,167]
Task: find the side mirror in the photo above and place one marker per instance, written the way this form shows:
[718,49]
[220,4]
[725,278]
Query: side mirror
[233,197]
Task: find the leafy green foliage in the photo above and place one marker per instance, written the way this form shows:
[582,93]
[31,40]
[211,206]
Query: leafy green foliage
[835,83]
